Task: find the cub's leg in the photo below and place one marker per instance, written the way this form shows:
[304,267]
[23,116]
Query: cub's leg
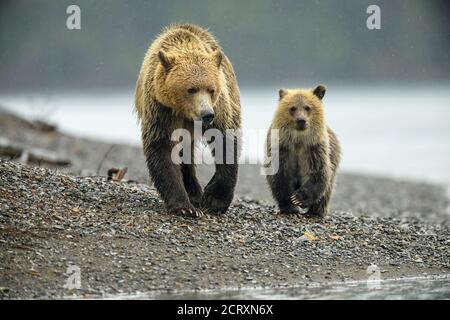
[320,208]
[316,191]
[282,185]
[219,191]
[167,178]
[282,189]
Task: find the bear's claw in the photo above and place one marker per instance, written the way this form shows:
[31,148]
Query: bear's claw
[199,213]
[190,212]
[296,200]
[301,199]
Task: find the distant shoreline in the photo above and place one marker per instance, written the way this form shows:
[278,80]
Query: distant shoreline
[403,147]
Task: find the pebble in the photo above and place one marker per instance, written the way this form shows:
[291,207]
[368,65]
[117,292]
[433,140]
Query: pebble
[121,238]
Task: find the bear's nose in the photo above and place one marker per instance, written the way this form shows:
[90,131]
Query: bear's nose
[301,123]
[207,117]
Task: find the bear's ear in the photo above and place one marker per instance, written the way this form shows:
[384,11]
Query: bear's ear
[166,60]
[319,91]
[217,56]
[282,93]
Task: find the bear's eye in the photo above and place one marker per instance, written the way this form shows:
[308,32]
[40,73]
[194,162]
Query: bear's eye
[308,108]
[211,91]
[292,109]
[192,90]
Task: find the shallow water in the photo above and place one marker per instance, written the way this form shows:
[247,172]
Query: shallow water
[412,288]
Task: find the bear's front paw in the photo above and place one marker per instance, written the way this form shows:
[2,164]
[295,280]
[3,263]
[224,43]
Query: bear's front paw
[301,199]
[290,210]
[188,211]
[196,199]
[213,204]
[318,209]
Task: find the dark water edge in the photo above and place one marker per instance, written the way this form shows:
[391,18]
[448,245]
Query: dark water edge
[415,288]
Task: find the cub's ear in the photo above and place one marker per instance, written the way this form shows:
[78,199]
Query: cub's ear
[282,93]
[218,56]
[319,91]
[166,60]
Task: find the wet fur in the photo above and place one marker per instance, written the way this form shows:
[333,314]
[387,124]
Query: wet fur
[308,159]
[161,110]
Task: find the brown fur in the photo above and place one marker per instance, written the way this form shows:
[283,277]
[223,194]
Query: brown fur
[308,158]
[185,57]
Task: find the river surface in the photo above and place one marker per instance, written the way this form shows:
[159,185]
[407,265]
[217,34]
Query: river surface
[384,130]
[425,288]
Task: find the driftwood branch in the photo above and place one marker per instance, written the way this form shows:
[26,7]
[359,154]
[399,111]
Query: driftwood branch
[104,158]
[116,174]
[31,155]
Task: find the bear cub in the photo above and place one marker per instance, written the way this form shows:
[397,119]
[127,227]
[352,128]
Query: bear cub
[308,153]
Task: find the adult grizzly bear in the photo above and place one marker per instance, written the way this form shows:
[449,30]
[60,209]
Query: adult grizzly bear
[186,77]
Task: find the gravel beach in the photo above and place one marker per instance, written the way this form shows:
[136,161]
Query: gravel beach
[119,236]
[123,241]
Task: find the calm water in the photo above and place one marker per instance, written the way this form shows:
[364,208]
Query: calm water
[383,130]
[412,288]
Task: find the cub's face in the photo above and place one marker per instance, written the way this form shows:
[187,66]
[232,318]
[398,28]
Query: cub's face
[191,84]
[300,109]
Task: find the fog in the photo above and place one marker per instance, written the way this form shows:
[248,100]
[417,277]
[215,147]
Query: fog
[281,43]
[387,98]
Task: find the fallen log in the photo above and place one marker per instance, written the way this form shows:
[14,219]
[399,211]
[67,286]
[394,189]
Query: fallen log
[34,156]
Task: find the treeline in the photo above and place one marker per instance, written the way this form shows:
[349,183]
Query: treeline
[268,41]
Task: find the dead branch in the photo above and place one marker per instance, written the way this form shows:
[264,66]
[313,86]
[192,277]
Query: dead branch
[116,174]
[104,158]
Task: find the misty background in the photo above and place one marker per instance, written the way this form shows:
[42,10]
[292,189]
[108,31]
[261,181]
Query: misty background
[269,42]
[388,90]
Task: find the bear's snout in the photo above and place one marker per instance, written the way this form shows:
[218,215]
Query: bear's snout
[301,124]
[207,117]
